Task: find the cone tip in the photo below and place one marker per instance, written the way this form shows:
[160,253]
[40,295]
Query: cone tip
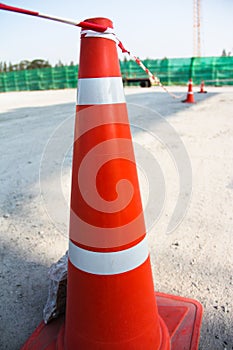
[100,21]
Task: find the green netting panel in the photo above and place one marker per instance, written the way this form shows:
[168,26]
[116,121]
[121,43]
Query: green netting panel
[176,71]
[39,79]
[213,70]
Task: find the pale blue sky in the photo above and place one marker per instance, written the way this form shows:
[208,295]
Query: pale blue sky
[148,28]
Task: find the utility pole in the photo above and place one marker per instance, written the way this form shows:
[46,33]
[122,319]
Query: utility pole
[196,28]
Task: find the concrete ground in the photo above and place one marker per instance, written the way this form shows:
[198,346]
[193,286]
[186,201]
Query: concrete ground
[184,158]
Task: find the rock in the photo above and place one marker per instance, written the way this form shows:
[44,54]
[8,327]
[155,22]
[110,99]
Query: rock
[195,284]
[223,308]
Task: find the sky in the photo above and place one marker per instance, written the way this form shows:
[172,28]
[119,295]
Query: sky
[148,28]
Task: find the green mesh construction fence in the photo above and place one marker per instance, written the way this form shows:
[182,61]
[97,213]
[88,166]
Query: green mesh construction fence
[176,71]
[39,79]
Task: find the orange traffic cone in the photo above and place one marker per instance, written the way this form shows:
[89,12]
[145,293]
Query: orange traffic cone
[109,274]
[190,96]
[111,303]
[202,91]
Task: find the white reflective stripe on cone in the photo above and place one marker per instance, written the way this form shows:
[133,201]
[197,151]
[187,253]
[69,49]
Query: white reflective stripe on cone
[108,263]
[108,34]
[95,91]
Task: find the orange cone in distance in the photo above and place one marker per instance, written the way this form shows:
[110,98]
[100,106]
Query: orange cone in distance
[202,88]
[190,96]
[111,303]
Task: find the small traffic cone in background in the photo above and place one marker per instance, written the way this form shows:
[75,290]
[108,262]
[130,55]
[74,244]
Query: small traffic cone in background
[202,91]
[190,96]
[111,303]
